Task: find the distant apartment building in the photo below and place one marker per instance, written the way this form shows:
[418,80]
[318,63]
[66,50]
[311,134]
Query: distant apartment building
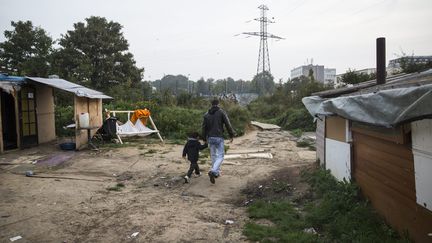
[329,75]
[321,74]
[394,65]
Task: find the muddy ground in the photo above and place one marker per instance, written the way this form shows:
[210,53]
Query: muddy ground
[86,201]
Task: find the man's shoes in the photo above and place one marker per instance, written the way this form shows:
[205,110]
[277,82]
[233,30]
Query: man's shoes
[198,174]
[186,179]
[212,177]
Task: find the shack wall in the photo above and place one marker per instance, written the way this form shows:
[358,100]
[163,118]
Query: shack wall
[45,113]
[94,108]
[384,170]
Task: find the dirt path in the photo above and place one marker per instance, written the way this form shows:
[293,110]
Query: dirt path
[154,202]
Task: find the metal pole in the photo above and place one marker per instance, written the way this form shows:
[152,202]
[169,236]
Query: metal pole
[380,60]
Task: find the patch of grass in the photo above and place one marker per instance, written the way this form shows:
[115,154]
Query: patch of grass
[335,210]
[150,151]
[141,147]
[288,223]
[297,132]
[303,144]
[118,187]
[202,161]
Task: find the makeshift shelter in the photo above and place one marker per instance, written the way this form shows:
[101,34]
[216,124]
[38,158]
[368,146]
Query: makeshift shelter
[27,110]
[380,135]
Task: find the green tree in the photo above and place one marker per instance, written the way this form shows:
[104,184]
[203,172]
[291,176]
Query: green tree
[27,49]
[264,83]
[95,53]
[408,65]
[352,77]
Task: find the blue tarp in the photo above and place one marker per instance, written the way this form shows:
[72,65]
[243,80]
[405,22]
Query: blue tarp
[4,77]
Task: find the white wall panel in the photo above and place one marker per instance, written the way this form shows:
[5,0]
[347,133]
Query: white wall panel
[338,159]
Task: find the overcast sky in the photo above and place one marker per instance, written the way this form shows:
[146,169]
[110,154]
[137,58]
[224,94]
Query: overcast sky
[200,38]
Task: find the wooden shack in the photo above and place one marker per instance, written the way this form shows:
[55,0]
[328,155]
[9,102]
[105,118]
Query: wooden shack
[380,136]
[27,110]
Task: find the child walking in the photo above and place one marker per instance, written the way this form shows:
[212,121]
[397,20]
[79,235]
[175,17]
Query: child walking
[191,149]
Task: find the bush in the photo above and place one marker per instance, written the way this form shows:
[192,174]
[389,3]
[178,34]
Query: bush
[176,122]
[239,117]
[297,119]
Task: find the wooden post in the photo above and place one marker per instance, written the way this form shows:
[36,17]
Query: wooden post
[155,128]
[17,122]
[1,127]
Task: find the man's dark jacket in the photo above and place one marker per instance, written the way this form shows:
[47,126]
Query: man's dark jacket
[213,123]
[192,148]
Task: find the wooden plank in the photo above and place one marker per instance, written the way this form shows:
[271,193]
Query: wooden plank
[405,187]
[395,135]
[394,173]
[335,128]
[384,157]
[265,126]
[383,145]
[45,113]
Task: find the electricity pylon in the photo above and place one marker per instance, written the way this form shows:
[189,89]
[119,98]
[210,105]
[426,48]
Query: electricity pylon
[263,55]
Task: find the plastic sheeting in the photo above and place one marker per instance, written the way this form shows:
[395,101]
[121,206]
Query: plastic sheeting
[387,108]
[129,129]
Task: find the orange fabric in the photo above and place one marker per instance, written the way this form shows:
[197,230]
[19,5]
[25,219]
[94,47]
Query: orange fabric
[142,114]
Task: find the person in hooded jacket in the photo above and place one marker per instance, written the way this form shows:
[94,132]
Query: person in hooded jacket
[191,149]
[212,130]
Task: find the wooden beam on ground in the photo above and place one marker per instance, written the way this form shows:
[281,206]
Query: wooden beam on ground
[265,126]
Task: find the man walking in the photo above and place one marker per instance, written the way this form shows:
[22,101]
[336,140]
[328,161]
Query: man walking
[212,131]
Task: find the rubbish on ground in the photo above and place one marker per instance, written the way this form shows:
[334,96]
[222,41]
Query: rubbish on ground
[260,186]
[247,202]
[134,234]
[15,238]
[249,156]
[310,231]
[228,221]
[29,173]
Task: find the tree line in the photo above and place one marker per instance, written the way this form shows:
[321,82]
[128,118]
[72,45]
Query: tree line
[96,54]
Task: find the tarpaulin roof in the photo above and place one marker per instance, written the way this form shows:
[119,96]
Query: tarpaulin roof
[388,108]
[5,77]
[65,85]
[10,83]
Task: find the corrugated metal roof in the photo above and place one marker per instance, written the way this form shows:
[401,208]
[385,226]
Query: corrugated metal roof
[65,85]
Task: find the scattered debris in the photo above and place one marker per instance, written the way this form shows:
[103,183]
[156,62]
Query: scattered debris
[249,156]
[310,231]
[133,235]
[228,221]
[18,237]
[29,173]
[247,202]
